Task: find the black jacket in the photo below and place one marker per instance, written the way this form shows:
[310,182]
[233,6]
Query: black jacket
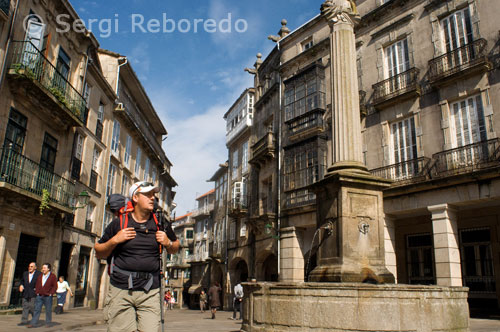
[29,287]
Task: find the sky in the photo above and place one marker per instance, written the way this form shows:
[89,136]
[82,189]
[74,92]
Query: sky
[190,56]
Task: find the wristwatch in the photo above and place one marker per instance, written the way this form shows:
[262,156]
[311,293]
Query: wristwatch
[169,245]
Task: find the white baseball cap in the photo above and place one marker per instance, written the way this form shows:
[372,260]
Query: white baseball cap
[142,187]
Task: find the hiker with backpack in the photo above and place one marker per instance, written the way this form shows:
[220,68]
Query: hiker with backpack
[132,244]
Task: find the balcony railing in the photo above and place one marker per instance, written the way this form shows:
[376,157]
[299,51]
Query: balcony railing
[299,197]
[396,86]
[28,61]
[98,130]
[239,203]
[460,59]
[5,6]
[203,211]
[468,158]
[88,225]
[414,169]
[93,179]
[294,183]
[245,122]
[308,121]
[28,175]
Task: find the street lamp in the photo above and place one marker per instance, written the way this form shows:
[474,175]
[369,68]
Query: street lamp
[83,199]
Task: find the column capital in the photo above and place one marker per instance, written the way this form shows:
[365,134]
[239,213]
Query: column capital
[335,11]
[441,208]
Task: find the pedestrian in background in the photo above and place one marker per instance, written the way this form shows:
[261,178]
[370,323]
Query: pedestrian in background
[46,286]
[214,298]
[203,300]
[168,300]
[62,291]
[27,287]
[238,298]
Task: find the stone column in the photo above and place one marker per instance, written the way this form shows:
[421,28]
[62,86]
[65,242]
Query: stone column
[390,245]
[346,123]
[291,257]
[446,251]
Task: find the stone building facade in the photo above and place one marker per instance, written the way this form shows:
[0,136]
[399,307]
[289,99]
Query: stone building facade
[58,112]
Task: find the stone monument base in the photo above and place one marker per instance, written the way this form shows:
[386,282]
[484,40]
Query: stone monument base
[336,307]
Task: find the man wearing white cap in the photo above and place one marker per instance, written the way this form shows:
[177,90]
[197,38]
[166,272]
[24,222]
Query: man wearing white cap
[132,242]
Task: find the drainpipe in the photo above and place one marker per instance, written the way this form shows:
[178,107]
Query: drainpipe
[279,171]
[118,72]
[9,39]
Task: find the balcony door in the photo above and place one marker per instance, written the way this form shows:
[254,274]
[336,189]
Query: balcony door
[47,164]
[34,42]
[457,32]
[398,62]
[404,146]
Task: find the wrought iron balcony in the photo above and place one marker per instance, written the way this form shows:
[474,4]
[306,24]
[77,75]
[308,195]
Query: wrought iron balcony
[295,184]
[203,211]
[29,176]
[93,179]
[4,8]
[407,171]
[402,86]
[29,63]
[469,58]
[264,149]
[468,158]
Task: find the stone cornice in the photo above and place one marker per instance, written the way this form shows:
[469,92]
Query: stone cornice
[393,26]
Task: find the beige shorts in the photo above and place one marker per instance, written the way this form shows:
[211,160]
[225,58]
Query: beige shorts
[127,311]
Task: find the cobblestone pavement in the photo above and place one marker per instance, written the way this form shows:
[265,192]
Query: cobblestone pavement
[176,321]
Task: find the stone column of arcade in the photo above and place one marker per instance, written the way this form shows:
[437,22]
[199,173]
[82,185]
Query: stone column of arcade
[349,199]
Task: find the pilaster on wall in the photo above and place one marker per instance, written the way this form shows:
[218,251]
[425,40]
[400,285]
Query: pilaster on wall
[390,245]
[446,250]
[291,258]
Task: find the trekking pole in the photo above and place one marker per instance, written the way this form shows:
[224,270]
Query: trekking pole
[161,277]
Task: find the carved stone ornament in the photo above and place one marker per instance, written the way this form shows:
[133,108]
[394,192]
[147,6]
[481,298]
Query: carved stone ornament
[335,11]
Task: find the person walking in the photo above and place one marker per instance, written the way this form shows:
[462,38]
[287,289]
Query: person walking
[237,300]
[27,287]
[62,291]
[203,300]
[46,286]
[168,300]
[214,298]
[132,249]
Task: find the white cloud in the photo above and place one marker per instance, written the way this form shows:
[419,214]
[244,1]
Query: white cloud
[139,56]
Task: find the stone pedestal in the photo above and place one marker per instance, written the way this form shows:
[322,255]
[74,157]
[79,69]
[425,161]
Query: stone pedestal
[321,307]
[292,259]
[352,203]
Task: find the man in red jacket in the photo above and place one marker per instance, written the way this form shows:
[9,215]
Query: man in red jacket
[46,286]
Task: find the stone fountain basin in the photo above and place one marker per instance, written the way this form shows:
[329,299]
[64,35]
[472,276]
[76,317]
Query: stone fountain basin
[318,307]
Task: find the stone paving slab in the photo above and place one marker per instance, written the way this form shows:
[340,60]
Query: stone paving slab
[86,320]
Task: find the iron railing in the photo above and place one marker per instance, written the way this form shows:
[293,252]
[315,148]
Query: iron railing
[414,169]
[28,61]
[468,158]
[28,175]
[93,179]
[480,284]
[459,59]
[395,85]
[299,197]
[203,210]
[5,6]
[98,130]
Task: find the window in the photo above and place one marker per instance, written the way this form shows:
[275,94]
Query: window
[115,141]
[111,179]
[457,30]
[232,231]
[100,113]
[404,142]
[235,164]
[146,170]
[125,184]
[49,151]
[76,162]
[95,159]
[243,230]
[100,121]
[477,261]
[468,121]
[397,59]
[16,131]
[420,259]
[90,211]
[79,147]
[86,93]
[304,93]
[153,175]
[138,162]
[128,149]
[108,217]
[307,44]
[189,234]
[63,68]
[244,158]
